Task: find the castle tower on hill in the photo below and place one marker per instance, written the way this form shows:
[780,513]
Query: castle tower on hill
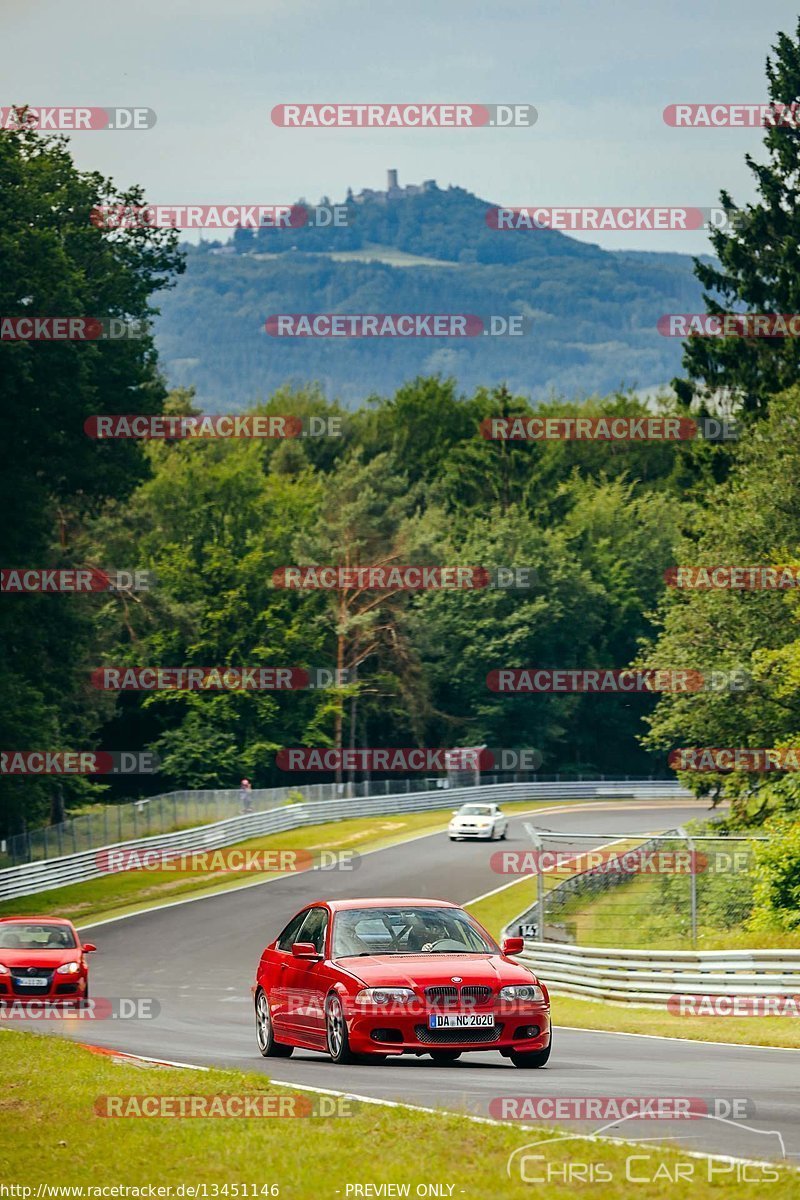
[393,189]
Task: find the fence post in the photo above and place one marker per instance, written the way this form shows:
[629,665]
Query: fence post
[692,884]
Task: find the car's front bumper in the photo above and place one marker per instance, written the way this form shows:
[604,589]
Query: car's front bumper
[400,1033]
[471,833]
[60,989]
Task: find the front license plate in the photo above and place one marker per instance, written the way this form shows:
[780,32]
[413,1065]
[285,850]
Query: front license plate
[460,1020]
[32,981]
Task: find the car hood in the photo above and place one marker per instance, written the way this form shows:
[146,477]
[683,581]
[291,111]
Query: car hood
[427,970]
[38,958]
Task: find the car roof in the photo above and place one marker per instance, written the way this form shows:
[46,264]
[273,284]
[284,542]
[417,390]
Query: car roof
[33,920]
[384,902]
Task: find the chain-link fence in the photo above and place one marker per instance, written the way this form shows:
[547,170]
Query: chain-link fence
[672,891]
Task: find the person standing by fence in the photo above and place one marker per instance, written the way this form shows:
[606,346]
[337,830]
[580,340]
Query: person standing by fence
[246,795]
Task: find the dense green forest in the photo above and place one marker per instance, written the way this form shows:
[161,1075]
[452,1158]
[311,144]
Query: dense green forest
[409,480]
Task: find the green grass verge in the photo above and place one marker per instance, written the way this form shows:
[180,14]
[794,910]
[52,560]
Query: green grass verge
[127,891]
[497,911]
[625,1018]
[50,1133]
[633,916]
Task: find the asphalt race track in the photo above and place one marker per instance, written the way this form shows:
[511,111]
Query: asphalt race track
[198,960]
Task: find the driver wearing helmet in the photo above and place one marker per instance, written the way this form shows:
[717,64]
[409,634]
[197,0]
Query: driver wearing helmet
[425,932]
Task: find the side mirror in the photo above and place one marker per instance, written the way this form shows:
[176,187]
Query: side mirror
[309,950]
[88,947]
[513,945]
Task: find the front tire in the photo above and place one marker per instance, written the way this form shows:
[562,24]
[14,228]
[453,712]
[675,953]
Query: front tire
[336,1031]
[532,1058]
[265,1036]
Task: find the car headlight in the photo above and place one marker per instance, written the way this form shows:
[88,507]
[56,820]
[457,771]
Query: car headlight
[523,991]
[4,970]
[70,968]
[387,995]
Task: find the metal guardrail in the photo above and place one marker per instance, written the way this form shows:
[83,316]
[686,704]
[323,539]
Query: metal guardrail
[171,811]
[31,878]
[654,976]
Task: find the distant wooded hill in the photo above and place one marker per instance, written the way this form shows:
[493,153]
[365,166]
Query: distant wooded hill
[592,312]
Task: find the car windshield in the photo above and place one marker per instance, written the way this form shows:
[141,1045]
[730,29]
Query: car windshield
[476,810]
[409,930]
[36,936]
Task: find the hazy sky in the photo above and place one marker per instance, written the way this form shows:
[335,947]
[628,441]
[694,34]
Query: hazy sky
[599,72]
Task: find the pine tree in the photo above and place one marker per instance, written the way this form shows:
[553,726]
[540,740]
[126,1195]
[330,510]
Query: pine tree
[759,263]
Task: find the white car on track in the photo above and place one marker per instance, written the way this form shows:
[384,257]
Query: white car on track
[478,820]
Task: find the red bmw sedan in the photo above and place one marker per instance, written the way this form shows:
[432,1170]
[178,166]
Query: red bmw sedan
[42,958]
[378,977]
